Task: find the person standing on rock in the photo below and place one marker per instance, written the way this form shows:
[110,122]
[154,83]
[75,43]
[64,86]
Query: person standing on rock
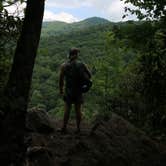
[72,73]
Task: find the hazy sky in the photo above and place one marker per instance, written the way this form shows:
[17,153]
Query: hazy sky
[76,10]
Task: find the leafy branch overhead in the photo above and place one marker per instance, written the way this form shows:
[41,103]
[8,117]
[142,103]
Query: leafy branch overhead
[7,3]
[10,23]
[149,9]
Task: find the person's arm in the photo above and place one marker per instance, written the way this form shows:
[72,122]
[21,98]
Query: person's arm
[61,79]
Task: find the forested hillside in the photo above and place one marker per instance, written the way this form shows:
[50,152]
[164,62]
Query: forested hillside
[91,37]
[114,54]
[57,27]
[88,35]
[127,64]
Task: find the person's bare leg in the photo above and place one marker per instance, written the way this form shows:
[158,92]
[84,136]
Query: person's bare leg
[67,109]
[78,115]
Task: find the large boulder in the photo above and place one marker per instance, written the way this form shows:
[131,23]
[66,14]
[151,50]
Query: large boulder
[108,142]
[38,120]
[39,155]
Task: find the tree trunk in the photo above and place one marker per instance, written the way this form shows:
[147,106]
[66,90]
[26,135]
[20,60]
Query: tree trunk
[16,94]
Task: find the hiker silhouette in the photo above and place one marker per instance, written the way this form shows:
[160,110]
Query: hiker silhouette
[72,74]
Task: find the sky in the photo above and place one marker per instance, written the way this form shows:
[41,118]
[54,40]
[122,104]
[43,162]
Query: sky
[76,10]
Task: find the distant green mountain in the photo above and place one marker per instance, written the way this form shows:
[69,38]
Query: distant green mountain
[58,27]
[90,36]
[53,26]
[91,22]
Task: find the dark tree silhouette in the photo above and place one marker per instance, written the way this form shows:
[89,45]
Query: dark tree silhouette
[16,94]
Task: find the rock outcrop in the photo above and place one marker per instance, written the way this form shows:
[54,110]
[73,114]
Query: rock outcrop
[38,120]
[114,142]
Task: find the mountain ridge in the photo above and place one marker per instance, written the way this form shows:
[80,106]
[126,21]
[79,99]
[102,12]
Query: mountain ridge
[49,28]
[87,19]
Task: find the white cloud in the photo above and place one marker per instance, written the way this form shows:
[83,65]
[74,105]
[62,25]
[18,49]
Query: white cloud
[62,16]
[98,4]
[110,9]
[66,3]
[115,10]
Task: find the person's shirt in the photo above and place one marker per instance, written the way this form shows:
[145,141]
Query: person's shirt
[70,73]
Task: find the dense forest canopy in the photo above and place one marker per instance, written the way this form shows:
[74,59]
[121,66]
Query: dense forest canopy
[10,27]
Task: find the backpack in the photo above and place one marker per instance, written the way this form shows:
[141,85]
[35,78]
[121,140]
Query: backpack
[85,81]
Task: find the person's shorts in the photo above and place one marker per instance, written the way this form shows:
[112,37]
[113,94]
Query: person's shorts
[72,99]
